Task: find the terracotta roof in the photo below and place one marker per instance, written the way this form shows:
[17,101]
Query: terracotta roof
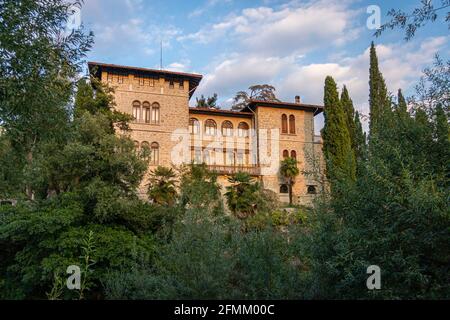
[194,78]
[317,109]
[219,112]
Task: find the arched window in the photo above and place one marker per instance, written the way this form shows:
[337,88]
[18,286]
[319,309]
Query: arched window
[284,124]
[294,154]
[291,124]
[194,126]
[146,111]
[155,113]
[243,129]
[136,111]
[284,188]
[145,149]
[210,127]
[154,155]
[285,154]
[227,129]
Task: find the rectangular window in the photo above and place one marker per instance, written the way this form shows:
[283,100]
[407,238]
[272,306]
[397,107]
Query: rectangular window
[171,85]
[229,158]
[240,158]
[181,84]
[155,115]
[197,156]
[147,115]
[136,113]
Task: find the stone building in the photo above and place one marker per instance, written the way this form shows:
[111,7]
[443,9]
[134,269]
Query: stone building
[254,139]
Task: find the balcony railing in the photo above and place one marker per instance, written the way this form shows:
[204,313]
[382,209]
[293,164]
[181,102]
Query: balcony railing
[230,170]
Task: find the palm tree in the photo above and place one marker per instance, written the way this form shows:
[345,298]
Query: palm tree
[161,188]
[242,195]
[289,170]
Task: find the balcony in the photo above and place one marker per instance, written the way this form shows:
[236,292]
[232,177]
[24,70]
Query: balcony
[230,170]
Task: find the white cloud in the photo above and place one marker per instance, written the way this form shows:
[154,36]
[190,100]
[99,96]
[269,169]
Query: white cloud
[284,31]
[400,63]
[179,66]
[207,6]
[132,36]
[239,72]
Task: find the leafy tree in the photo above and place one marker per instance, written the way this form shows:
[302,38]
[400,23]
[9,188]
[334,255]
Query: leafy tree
[416,19]
[262,92]
[96,97]
[340,159]
[161,189]
[209,102]
[289,171]
[199,188]
[434,86]
[38,65]
[11,170]
[210,257]
[84,181]
[87,184]
[375,220]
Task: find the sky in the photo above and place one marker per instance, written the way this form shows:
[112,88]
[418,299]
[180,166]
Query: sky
[292,45]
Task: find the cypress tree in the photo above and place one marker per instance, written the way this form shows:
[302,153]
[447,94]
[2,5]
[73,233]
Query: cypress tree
[349,110]
[378,97]
[401,103]
[339,157]
[441,150]
[360,140]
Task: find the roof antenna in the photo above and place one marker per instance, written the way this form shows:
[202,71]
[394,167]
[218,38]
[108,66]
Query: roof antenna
[161,61]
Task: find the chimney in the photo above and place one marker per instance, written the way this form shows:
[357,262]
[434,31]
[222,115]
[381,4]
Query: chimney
[297,99]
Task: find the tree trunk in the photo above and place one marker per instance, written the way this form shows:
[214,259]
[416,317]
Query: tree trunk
[290,193]
[28,190]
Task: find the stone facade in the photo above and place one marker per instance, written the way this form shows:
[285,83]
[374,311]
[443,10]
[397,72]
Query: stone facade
[253,140]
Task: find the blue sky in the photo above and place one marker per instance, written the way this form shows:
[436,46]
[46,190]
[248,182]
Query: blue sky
[292,45]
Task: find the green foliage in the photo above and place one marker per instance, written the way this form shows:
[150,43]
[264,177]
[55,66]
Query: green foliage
[289,171]
[211,258]
[379,99]
[37,68]
[396,214]
[417,18]
[161,189]
[11,169]
[45,239]
[242,195]
[349,110]
[262,92]
[337,148]
[199,188]
[360,144]
[209,102]
[96,97]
